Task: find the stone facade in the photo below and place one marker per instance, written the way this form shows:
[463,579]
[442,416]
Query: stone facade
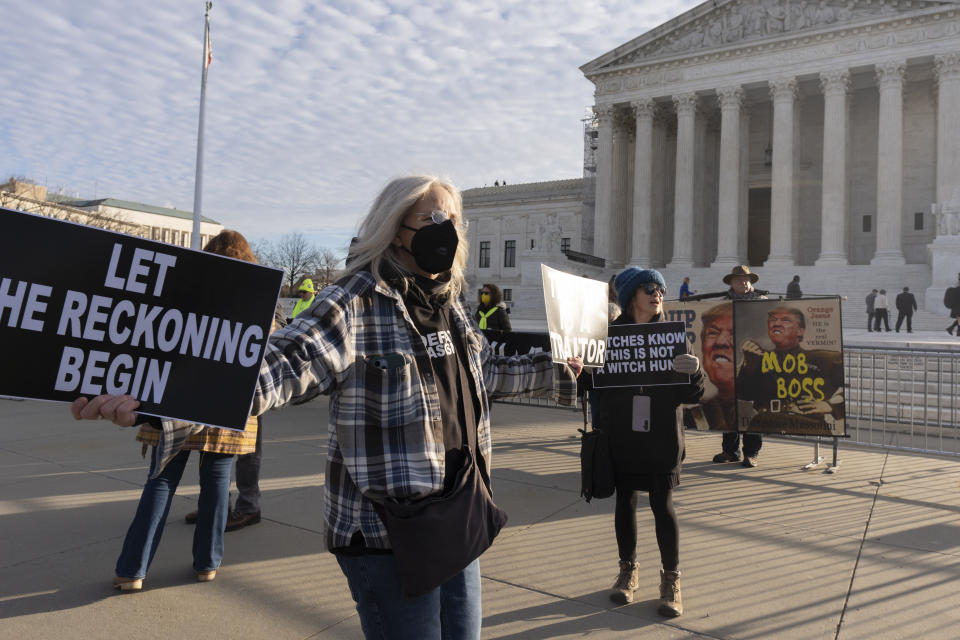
[800,137]
[515,228]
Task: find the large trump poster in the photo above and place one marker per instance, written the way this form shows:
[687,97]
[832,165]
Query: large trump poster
[789,362]
[710,330]
[770,366]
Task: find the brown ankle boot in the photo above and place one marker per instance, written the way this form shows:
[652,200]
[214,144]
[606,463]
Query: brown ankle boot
[627,582]
[671,602]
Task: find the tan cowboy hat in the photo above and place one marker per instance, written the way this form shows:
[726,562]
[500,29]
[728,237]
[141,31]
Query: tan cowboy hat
[740,270]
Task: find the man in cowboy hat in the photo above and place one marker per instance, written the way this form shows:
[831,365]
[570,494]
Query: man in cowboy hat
[741,281]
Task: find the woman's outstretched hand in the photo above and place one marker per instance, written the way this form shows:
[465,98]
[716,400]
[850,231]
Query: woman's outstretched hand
[121,410]
[575,363]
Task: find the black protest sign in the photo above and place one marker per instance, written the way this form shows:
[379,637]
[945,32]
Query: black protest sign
[642,355]
[789,363]
[513,343]
[85,311]
[576,316]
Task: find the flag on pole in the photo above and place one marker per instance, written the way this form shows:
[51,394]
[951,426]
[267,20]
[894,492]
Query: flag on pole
[198,180]
[207,47]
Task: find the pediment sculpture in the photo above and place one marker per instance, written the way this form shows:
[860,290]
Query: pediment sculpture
[739,21]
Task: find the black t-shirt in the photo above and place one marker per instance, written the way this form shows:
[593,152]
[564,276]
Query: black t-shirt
[433,317]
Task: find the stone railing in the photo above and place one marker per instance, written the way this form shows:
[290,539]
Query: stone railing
[585,258]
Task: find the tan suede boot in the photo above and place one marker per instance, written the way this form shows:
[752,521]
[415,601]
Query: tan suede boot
[627,582]
[671,602]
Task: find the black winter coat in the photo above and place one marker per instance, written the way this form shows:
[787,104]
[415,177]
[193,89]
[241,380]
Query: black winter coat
[498,321]
[906,303]
[659,450]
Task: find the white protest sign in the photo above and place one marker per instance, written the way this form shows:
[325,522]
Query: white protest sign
[576,316]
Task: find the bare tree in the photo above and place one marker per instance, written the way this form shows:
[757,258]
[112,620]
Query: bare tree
[263,251]
[296,256]
[327,267]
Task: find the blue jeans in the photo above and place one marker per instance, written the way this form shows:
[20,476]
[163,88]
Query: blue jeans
[450,612]
[145,531]
[248,476]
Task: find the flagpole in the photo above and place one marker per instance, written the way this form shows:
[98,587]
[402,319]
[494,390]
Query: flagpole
[198,180]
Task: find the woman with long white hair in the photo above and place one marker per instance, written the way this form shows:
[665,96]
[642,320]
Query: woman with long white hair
[408,507]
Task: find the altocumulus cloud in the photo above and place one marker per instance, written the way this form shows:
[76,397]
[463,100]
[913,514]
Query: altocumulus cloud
[311,106]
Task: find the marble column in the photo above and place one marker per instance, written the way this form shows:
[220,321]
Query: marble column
[783,94]
[833,214]
[945,248]
[729,205]
[619,186]
[742,216]
[603,201]
[661,210]
[947,69]
[686,105]
[890,164]
[703,124]
[642,183]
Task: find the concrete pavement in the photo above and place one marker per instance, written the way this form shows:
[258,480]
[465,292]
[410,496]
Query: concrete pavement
[774,552]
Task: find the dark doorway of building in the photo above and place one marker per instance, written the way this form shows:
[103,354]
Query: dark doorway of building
[758,226]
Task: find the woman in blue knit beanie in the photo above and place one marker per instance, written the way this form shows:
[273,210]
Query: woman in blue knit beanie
[630,279]
[646,441]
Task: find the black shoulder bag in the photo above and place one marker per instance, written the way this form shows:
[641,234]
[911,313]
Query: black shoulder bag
[435,538]
[596,463]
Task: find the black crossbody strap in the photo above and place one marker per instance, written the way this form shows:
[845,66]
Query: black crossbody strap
[583,406]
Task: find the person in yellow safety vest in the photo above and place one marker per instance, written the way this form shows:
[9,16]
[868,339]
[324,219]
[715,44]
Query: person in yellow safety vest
[306,297]
[492,313]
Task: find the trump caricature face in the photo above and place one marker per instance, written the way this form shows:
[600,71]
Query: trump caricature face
[718,350]
[785,328]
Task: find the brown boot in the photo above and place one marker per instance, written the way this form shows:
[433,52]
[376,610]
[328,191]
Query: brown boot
[627,582]
[239,520]
[671,603]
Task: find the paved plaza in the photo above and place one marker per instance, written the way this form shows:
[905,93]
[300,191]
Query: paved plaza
[775,552]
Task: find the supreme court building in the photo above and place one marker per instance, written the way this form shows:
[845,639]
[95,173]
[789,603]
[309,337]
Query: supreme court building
[799,137]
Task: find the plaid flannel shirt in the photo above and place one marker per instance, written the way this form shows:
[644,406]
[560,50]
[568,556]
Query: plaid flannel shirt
[176,435]
[386,430]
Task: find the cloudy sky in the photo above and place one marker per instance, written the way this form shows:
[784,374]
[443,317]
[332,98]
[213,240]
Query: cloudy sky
[311,106]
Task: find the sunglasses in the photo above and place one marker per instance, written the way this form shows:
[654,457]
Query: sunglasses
[652,287]
[485,291]
[438,216]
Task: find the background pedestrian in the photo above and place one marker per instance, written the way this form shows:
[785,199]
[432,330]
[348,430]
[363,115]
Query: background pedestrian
[491,314]
[906,305]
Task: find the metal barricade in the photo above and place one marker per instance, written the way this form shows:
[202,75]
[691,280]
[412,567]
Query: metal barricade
[537,402]
[896,398]
[905,399]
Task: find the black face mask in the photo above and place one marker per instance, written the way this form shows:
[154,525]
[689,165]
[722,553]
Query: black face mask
[434,246]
